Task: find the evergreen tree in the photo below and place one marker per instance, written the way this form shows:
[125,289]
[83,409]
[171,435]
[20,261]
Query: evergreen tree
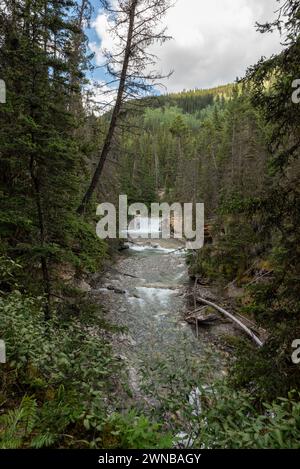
[42,55]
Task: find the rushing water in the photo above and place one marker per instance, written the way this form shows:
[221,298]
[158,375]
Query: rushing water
[145,293]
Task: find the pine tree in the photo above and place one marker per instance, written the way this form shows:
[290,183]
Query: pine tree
[42,57]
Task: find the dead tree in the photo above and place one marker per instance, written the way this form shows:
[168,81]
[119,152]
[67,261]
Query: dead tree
[135,27]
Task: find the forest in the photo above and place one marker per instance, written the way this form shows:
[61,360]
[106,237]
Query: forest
[65,382]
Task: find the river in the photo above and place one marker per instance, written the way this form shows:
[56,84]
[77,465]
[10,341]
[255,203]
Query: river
[144,293]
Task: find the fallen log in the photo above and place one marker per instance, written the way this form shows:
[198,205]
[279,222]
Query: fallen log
[233,318]
[191,314]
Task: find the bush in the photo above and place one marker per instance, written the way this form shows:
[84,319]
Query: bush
[233,421]
[63,366]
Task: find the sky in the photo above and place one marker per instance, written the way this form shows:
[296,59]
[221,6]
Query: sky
[214,41]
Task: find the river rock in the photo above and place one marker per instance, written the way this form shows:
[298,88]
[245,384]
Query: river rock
[83,286]
[123,247]
[119,291]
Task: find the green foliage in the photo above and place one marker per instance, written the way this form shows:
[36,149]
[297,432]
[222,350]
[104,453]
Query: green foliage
[153,160]
[85,250]
[43,141]
[17,424]
[255,193]
[231,255]
[137,432]
[8,272]
[192,101]
[219,416]
[231,420]
[271,83]
[63,364]
[235,148]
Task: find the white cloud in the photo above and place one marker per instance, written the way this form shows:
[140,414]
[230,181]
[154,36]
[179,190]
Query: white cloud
[102,28]
[214,41]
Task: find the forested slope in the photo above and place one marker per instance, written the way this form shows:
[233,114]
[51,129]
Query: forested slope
[235,148]
[221,155]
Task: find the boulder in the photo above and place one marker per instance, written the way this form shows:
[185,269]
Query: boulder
[83,286]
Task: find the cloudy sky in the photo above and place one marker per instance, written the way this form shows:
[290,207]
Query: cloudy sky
[213,41]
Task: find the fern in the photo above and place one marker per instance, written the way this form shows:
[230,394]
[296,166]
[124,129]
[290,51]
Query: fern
[18,423]
[44,440]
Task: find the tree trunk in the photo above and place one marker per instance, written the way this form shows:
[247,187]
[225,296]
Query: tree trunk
[115,115]
[45,271]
